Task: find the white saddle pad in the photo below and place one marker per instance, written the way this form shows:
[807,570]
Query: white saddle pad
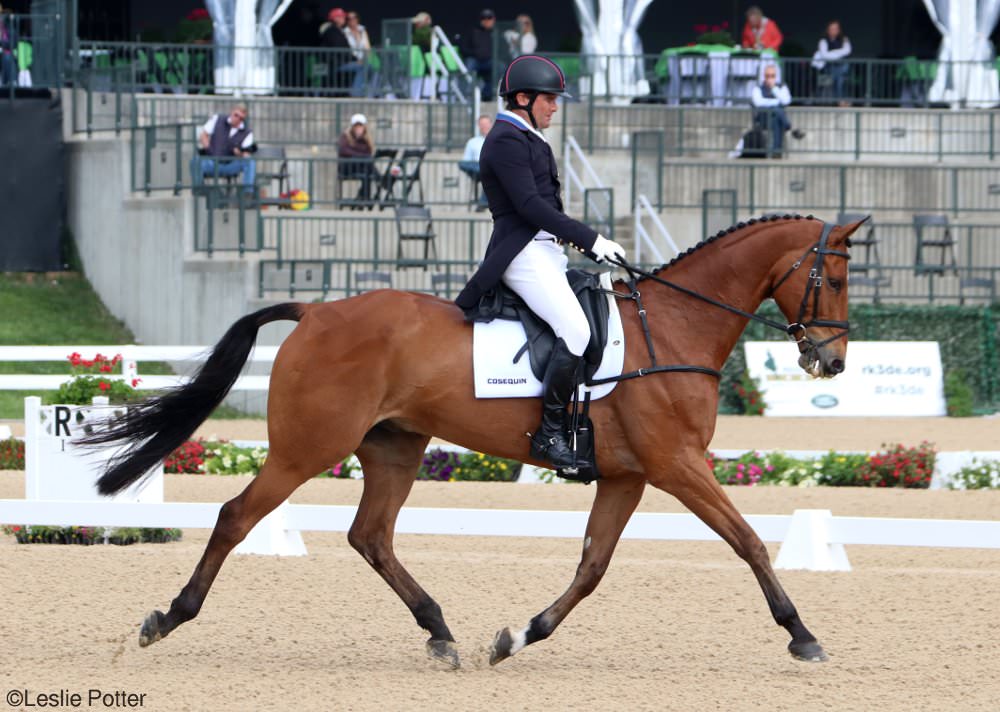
[495,343]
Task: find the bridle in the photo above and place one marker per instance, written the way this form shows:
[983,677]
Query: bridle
[813,286]
[796,330]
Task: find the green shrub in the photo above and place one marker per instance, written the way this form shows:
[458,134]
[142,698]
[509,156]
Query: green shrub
[479,467]
[751,397]
[978,475]
[94,378]
[11,454]
[958,394]
[225,458]
[87,536]
[841,470]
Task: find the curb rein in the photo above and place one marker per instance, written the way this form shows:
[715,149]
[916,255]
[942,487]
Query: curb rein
[797,331]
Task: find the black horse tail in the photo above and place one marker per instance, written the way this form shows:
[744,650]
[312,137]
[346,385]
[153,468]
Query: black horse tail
[155,427]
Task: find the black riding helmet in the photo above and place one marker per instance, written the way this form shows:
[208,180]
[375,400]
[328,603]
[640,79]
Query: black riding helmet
[533,75]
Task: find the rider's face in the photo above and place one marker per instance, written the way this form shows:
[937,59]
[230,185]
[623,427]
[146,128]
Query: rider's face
[544,107]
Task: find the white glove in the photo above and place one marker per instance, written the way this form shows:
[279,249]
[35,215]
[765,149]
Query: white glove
[605,249]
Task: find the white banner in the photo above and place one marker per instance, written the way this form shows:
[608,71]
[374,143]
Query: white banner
[893,378]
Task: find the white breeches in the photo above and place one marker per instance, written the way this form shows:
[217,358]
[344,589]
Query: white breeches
[538,276]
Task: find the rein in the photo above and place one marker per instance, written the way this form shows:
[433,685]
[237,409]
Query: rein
[800,327]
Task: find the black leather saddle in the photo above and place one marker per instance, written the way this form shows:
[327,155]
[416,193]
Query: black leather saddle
[501,303]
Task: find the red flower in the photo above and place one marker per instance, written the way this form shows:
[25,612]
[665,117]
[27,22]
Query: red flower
[104,385]
[199,13]
[135,382]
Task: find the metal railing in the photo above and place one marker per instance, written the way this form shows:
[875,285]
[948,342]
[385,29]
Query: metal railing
[643,239]
[162,159]
[334,278]
[722,78]
[830,133]
[762,186]
[236,227]
[35,55]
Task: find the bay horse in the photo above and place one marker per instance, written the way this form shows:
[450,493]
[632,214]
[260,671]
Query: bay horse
[380,373]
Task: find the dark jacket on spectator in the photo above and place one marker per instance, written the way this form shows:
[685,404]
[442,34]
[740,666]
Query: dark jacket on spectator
[478,43]
[333,36]
[8,33]
[347,147]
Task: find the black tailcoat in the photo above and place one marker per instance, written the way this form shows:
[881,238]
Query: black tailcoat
[521,182]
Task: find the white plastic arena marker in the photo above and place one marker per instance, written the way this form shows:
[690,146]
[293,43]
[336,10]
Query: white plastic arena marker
[807,544]
[270,536]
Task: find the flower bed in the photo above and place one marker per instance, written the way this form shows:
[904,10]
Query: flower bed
[894,466]
[87,536]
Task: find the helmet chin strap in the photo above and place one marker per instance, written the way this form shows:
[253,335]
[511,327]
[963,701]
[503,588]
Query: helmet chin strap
[528,108]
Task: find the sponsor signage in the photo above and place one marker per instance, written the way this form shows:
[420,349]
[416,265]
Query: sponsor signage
[891,378]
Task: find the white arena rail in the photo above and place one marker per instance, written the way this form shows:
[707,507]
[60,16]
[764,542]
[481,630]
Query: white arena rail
[131,356]
[811,539]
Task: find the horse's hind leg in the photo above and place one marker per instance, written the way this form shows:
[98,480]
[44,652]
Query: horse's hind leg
[613,505]
[698,490]
[390,460]
[236,518]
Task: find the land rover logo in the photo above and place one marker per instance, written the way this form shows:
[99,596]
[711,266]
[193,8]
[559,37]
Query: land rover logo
[824,400]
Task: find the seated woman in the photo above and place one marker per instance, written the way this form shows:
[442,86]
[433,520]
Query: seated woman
[356,149]
[829,58]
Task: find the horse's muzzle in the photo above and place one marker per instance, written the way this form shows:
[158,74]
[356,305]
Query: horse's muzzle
[821,362]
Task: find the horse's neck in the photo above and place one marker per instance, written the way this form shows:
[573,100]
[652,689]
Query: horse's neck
[732,270]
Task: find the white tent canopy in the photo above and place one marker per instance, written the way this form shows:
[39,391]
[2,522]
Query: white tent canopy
[966,76]
[244,48]
[612,29]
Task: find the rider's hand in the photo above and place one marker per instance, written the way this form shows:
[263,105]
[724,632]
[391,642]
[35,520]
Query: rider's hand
[605,249]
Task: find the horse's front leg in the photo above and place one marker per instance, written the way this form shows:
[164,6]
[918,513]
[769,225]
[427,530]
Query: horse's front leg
[693,484]
[613,505]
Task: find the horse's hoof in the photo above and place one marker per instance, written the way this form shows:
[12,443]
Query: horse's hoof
[501,648]
[151,629]
[809,651]
[444,651]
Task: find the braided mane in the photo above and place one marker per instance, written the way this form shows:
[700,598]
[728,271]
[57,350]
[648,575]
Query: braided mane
[722,233]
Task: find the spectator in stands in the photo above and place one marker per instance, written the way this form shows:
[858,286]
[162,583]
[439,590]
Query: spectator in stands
[769,100]
[423,28]
[357,147]
[477,48]
[470,159]
[8,47]
[829,58]
[761,32]
[361,45]
[357,36]
[342,71]
[225,147]
[521,40]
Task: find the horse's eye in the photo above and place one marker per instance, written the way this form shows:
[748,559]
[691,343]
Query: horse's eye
[836,284]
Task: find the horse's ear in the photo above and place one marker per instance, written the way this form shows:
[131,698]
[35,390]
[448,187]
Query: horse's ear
[843,234]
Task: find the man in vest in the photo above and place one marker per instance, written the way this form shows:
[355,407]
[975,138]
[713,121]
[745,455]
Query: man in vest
[225,144]
[769,100]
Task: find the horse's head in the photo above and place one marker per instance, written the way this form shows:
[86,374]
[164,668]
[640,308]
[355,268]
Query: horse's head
[810,286]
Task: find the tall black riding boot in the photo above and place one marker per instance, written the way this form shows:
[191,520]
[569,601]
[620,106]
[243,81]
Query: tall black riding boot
[549,442]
